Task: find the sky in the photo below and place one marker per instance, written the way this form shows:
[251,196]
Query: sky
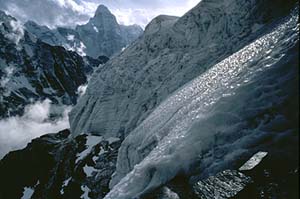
[71,12]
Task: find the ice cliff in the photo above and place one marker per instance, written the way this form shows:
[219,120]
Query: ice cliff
[171,52]
[218,76]
[202,106]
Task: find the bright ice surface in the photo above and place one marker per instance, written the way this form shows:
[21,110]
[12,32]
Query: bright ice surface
[253,161]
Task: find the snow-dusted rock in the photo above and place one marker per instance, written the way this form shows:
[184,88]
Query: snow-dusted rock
[47,168]
[31,70]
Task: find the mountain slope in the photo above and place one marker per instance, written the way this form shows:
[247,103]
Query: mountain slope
[236,106]
[135,94]
[185,106]
[101,36]
[55,166]
[171,52]
[31,70]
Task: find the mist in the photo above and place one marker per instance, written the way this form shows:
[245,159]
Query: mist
[17,131]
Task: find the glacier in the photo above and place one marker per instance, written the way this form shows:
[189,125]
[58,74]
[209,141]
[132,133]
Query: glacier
[200,106]
[171,52]
[217,104]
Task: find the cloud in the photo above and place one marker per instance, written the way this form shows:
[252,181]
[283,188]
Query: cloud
[17,32]
[48,12]
[143,11]
[16,132]
[71,12]
[82,89]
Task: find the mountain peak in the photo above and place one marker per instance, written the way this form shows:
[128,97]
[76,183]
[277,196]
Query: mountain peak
[102,9]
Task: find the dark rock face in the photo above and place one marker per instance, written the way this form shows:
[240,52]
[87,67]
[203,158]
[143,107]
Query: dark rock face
[101,36]
[51,166]
[276,177]
[32,70]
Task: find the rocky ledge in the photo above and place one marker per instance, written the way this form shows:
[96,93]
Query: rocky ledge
[60,166]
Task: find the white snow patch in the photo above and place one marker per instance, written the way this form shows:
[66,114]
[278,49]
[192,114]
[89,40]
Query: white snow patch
[70,37]
[86,191]
[253,161]
[96,29]
[81,49]
[17,131]
[89,170]
[169,194]
[27,193]
[65,184]
[90,143]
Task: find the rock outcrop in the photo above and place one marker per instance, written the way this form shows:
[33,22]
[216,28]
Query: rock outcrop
[56,166]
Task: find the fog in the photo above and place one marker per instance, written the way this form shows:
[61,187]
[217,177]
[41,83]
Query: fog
[17,131]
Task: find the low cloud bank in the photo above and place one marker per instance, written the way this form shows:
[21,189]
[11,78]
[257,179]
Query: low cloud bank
[16,132]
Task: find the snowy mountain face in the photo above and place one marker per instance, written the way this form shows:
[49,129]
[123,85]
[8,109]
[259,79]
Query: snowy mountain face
[101,36]
[188,81]
[171,52]
[31,70]
[201,106]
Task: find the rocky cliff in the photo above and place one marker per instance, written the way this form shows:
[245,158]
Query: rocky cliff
[31,70]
